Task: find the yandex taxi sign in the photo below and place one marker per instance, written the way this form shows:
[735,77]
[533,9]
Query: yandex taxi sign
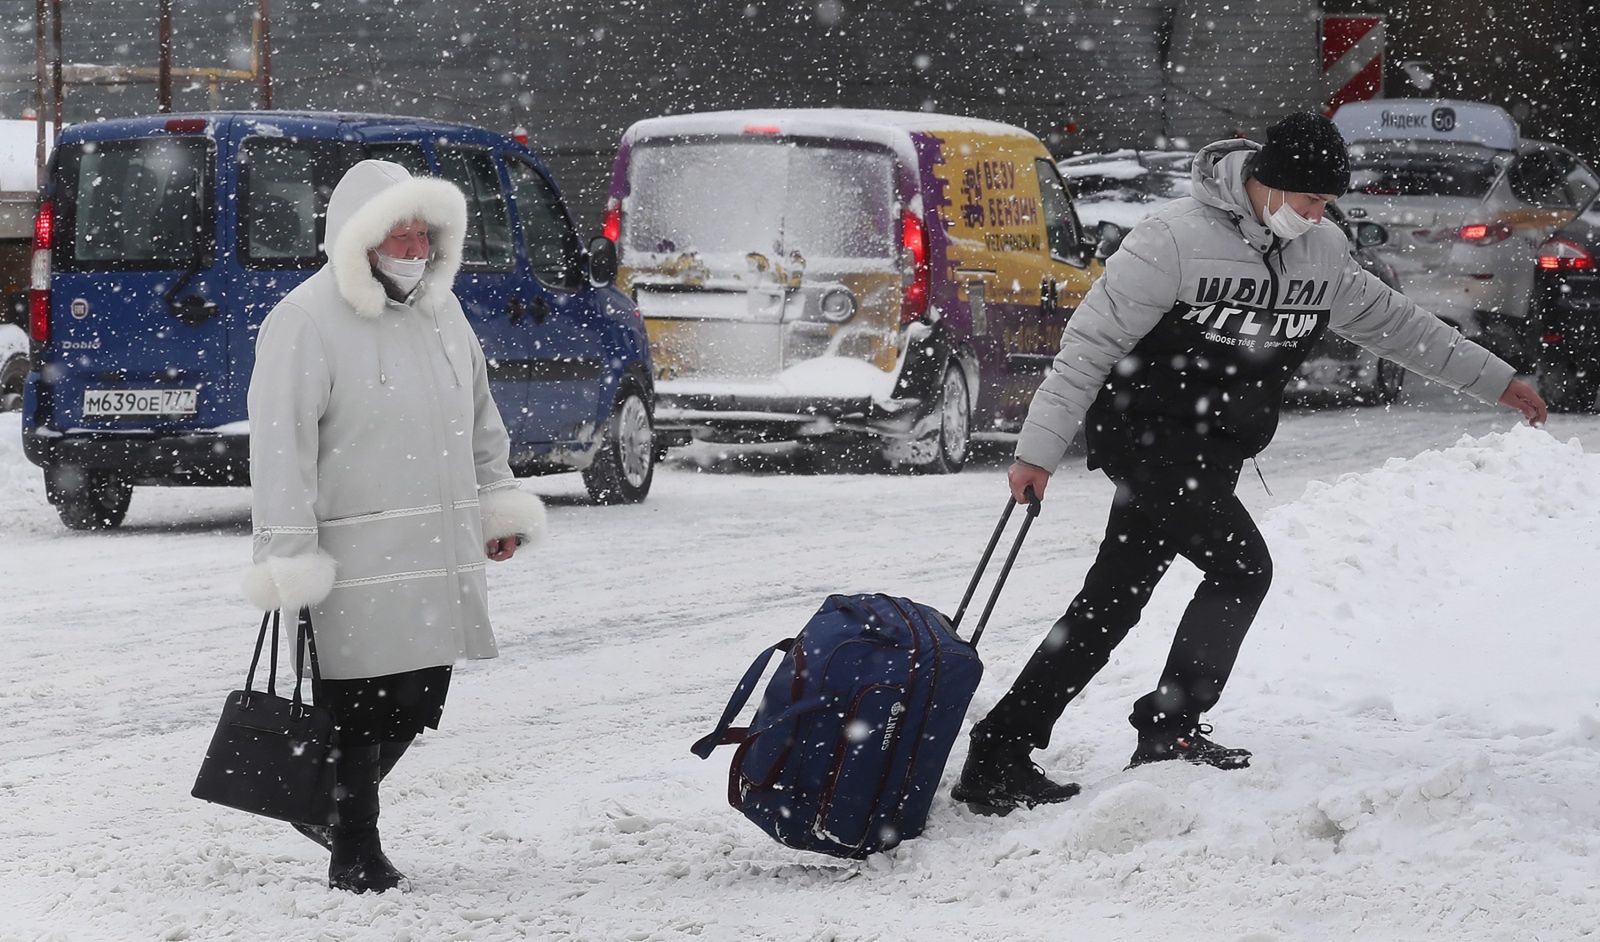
[1401,119]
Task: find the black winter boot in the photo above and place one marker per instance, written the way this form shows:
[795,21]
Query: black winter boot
[1190,746]
[998,777]
[389,753]
[358,863]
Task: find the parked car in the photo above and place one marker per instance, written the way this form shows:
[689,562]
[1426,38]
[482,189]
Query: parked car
[1467,202]
[162,242]
[1122,187]
[1566,306]
[811,274]
[1337,368]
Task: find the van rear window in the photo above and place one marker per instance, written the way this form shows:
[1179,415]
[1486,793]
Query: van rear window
[285,187]
[743,195]
[131,205]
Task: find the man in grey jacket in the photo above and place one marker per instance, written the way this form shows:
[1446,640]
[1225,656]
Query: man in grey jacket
[1176,364]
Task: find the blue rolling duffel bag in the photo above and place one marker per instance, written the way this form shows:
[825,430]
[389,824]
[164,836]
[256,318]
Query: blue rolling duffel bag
[845,752]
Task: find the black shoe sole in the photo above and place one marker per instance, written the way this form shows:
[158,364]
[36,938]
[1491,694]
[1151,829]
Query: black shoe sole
[990,809]
[979,805]
[1135,763]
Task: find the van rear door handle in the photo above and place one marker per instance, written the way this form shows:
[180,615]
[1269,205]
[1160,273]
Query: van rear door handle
[514,310]
[541,310]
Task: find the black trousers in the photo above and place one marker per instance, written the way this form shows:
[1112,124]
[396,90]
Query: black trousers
[393,708]
[1164,507]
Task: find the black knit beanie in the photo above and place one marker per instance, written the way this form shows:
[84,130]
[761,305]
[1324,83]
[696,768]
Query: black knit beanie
[1303,154]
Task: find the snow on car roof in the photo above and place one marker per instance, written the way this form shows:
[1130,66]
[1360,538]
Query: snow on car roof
[889,128]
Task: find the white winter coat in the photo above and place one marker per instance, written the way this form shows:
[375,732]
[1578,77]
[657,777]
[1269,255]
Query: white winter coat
[378,460]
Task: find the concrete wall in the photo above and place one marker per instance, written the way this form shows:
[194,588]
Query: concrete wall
[1083,74]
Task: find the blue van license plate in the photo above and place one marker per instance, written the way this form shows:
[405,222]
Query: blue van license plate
[115,402]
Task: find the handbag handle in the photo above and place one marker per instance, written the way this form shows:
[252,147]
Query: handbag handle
[304,639]
[1005,570]
[261,638]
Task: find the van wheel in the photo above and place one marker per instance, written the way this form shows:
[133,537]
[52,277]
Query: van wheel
[89,500]
[953,440]
[13,376]
[621,473]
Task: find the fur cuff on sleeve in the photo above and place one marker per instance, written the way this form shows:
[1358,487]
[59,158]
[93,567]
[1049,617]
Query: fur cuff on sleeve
[289,583]
[510,511]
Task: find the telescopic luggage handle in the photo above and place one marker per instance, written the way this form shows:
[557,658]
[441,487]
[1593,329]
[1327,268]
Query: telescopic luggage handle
[994,540]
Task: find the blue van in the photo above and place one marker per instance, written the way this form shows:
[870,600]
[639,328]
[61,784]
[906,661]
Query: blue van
[162,242]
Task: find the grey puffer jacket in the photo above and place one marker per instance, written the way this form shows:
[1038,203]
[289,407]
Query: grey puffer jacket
[1202,318]
[378,461]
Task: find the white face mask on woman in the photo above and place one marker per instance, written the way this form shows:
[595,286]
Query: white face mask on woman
[404,272]
[1285,222]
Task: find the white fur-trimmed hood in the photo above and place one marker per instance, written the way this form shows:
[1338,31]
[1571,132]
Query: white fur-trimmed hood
[372,198]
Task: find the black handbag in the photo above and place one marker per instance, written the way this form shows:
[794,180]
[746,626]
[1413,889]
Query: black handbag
[272,756]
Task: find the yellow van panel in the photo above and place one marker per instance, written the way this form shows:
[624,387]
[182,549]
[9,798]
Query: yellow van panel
[994,222]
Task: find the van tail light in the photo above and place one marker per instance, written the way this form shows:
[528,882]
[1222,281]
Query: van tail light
[1562,255]
[612,228]
[186,126]
[44,227]
[1480,233]
[914,246]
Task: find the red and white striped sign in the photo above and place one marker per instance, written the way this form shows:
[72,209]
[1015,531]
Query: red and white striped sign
[1352,58]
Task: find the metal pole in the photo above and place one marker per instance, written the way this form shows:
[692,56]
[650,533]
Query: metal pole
[38,89]
[266,56]
[164,78]
[57,91]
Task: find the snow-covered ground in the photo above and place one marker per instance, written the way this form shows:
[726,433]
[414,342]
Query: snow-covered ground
[1419,691]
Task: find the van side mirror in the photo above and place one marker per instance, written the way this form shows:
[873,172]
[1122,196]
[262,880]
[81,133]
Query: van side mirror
[602,262]
[1108,238]
[1371,234]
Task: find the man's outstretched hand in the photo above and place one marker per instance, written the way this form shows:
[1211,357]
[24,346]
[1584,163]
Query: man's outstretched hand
[1023,476]
[1522,397]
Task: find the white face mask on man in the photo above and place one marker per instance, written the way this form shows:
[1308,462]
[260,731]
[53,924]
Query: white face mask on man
[404,272]
[1286,222]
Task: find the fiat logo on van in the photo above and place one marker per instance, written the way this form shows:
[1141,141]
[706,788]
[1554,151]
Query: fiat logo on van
[1444,119]
[80,308]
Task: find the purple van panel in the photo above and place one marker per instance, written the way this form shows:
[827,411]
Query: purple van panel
[944,294]
[619,172]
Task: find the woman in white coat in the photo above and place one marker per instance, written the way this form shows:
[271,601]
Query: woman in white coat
[380,483]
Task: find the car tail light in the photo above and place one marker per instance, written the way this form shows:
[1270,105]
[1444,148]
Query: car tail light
[612,228]
[44,228]
[1562,255]
[762,129]
[1480,233]
[914,243]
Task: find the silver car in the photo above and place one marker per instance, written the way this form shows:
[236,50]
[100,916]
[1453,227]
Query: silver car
[1467,202]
